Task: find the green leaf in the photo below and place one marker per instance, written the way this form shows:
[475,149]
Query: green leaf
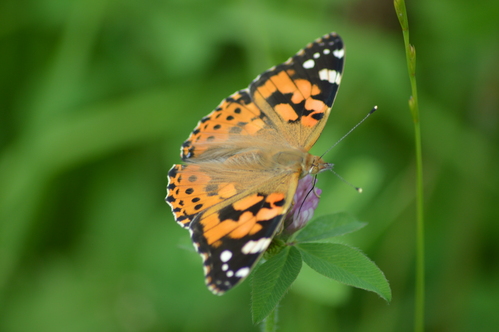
[272,279]
[327,226]
[347,265]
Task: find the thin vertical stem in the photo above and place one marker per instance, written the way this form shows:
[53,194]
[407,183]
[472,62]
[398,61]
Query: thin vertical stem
[410,52]
[270,323]
[420,246]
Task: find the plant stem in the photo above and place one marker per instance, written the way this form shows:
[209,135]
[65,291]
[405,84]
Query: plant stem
[420,246]
[410,52]
[270,323]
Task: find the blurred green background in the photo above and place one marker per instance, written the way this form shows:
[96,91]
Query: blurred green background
[97,96]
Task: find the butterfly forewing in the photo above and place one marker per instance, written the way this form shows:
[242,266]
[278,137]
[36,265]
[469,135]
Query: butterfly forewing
[301,91]
[236,116]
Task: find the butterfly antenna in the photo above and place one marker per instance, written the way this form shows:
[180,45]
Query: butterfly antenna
[358,124]
[359,189]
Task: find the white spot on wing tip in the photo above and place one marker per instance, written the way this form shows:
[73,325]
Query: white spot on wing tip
[316,55]
[326,51]
[330,75]
[310,63]
[339,53]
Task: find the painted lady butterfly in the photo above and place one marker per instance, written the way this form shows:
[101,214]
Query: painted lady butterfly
[243,161]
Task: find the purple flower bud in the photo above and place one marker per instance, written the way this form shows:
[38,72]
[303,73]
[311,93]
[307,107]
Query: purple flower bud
[305,202]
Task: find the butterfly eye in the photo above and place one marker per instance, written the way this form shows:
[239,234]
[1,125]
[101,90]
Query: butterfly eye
[318,165]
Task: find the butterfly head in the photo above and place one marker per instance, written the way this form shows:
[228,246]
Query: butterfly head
[315,165]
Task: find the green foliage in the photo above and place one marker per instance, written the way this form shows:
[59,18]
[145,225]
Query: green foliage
[346,265]
[342,263]
[271,280]
[329,226]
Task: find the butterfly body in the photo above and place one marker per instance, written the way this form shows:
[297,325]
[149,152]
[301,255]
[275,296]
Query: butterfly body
[243,161]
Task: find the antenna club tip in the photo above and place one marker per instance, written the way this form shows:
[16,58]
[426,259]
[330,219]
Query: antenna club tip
[375,108]
[359,190]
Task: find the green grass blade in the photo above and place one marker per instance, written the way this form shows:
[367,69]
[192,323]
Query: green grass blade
[410,52]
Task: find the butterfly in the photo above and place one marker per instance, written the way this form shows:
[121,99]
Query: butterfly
[242,163]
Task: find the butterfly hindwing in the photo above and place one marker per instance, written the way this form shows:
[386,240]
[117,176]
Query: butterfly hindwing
[189,192]
[232,239]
